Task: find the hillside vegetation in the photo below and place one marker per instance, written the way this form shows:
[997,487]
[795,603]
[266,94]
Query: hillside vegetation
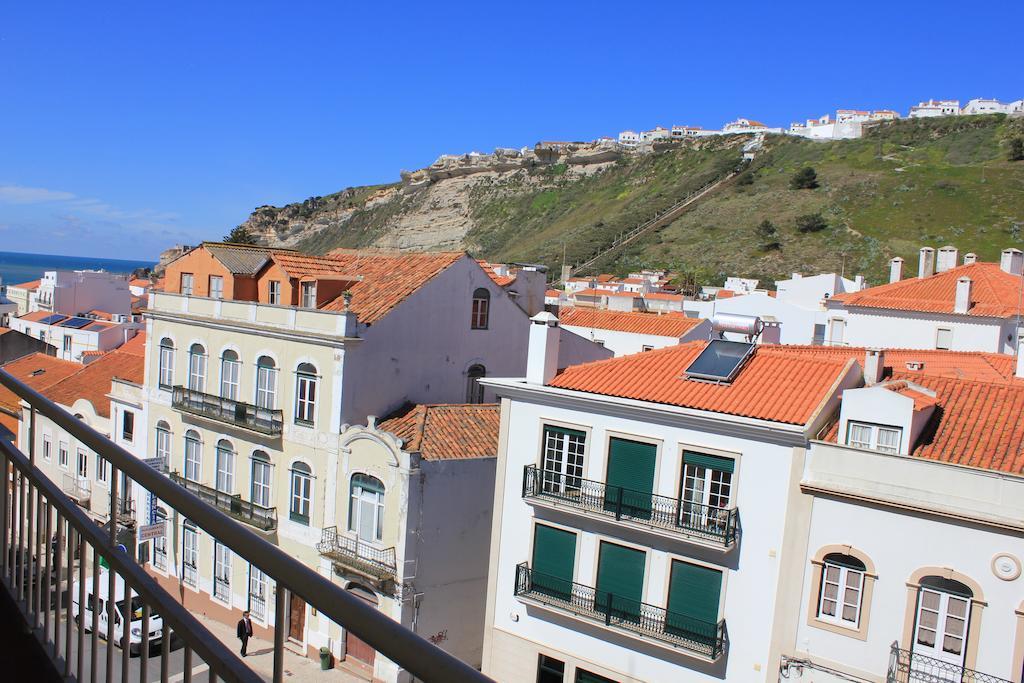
[904,185]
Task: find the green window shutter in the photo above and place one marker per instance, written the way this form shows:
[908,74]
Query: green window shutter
[712,462]
[630,477]
[554,557]
[563,430]
[620,580]
[693,596]
[584,676]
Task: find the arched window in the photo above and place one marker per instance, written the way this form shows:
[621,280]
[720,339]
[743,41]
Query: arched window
[197,367]
[943,613]
[160,543]
[305,394]
[366,507]
[481,309]
[229,371]
[266,382]
[474,390]
[190,554]
[301,493]
[225,466]
[842,589]
[193,455]
[163,443]
[262,476]
[166,373]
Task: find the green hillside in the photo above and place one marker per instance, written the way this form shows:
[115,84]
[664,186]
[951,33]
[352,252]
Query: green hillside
[904,185]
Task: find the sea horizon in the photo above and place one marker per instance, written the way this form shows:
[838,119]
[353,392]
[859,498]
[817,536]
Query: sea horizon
[17,267]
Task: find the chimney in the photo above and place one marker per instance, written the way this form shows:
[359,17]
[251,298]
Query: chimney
[1012,261]
[970,257]
[926,263]
[542,353]
[896,269]
[874,366]
[963,295]
[946,259]
[858,282]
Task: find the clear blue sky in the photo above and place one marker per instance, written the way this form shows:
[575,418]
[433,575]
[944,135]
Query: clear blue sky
[127,127]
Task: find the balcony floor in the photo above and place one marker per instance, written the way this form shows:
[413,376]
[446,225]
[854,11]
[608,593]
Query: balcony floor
[21,656]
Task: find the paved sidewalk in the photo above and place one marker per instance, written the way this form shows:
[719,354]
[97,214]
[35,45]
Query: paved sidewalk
[261,659]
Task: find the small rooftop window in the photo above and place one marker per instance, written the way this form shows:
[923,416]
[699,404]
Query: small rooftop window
[720,361]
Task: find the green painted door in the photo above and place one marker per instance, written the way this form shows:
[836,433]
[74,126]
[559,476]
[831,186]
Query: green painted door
[630,477]
[620,581]
[693,595]
[554,557]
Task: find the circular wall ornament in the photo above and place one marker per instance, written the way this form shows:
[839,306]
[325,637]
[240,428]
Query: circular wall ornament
[1006,567]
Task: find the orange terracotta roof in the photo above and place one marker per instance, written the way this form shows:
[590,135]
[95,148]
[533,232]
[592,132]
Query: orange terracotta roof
[605,277]
[630,295]
[904,388]
[664,296]
[4,330]
[101,315]
[988,367]
[993,292]
[725,294]
[136,346]
[38,371]
[31,284]
[388,278]
[94,353]
[447,431]
[9,427]
[552,293]
[776,384]
[36,316]
[590,292]
[502,280]
[92,382]
[140,282]
[668,325]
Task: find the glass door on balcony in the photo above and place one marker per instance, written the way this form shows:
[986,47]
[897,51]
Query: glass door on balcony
[225,467]
[257,593]
[563,460]
[197,368]
[221,571]
[940,629]
[262,473]
[83,470]
[630,478]
[229,371]
[190,554]
[266,382]
[553,562]
[193,455]
[620,581]
[707,491]
[694,593]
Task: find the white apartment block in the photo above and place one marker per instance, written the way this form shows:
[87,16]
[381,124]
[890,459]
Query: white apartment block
[933,108]
[76,338]
[624,333]
[81,291]
[990,106]
[970,307]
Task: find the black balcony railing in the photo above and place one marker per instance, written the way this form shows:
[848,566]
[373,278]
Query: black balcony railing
[377,563]
[125,508]
[262,518]
[909,667]
[648,621]
[228,411]
[703,522]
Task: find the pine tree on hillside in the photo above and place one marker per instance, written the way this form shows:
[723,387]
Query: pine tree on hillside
[805,179]
[240,235]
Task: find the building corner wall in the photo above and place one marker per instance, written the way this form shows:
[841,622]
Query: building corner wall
[496,515]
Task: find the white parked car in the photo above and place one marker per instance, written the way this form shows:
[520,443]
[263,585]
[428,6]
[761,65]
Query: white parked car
[121,611]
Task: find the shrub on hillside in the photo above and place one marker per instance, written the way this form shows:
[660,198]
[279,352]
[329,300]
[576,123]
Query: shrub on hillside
[805,179]
[811,222]
[240,235]
[1016,152]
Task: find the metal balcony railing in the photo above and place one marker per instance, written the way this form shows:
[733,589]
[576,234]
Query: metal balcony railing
[363,558]
[79,489]
[679,630]
[125,508]
[906,666]
[34,509]
[718,525]
[228,411]
[246,511]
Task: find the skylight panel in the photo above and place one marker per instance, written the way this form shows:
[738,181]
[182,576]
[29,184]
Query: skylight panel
[76,323]
[720,361]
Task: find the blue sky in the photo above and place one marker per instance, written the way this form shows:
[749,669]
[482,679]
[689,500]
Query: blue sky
[127,127]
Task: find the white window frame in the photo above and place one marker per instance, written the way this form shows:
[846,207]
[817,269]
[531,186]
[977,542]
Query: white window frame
[274,292]
[261,487]
[62,454]
[166,367]
[188,284]
[563,457]
[82,464]
[190,555]
[300,495]
[307,292]
[266,386]
[258,590]
[217,292]
[876,432]
[372,500]
[948,333]
[47,448]
[197,370]
[841,576]
[306,386]
[163,444]
[126,417]
[230,372]
[225,478]
[193,458]
[102,470]
[221,570]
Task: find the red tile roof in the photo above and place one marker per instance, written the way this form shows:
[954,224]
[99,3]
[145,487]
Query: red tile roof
[135,346]
[447,432]
[669,325]
[993,292]
[725,294]
[988,367]
[904,388]
[31,284]
[38,371]
[777,384]
[101,315]
[502,280]
[552,293]
[590,292]
[664,296]
[92,382]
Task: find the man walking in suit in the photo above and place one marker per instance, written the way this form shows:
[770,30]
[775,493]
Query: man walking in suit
[244,630]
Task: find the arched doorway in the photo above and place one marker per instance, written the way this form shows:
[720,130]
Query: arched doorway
[354,647]
[941,621]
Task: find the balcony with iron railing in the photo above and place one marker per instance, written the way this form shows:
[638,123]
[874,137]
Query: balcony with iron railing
[358,556]
[906,666]
[675,630]
[253,514]
[228,411]
[51,550]
[662,514]
[79,489]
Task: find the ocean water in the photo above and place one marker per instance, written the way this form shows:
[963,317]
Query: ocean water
[16,268]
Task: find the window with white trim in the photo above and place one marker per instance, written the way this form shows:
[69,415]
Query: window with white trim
[230,368]
[262,477]
[944,338]
[216,287]
[266,382]
[366,507]
[47,448]
[62,455]
[274,292]
[163,442]
[128,426]
[873,437]
[301,493]
[308,290]
[193,455]
[842,590]
[305,394]
[225,467]
[562,462]
[187,283]
[197,368]
[166,372]
[221,571]
[101,468]
[190,554]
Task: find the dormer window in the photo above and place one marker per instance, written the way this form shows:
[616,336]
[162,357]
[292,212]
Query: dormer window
[308,295]
[874,437]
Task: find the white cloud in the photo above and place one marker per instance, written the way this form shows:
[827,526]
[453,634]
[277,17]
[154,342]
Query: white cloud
[19,194]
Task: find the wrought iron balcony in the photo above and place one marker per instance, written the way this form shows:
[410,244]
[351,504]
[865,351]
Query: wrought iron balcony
[125,508]
[909,667]
[79,489]
[647,621]
[246,511]
[228,411]
[375,563]
[702,522]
